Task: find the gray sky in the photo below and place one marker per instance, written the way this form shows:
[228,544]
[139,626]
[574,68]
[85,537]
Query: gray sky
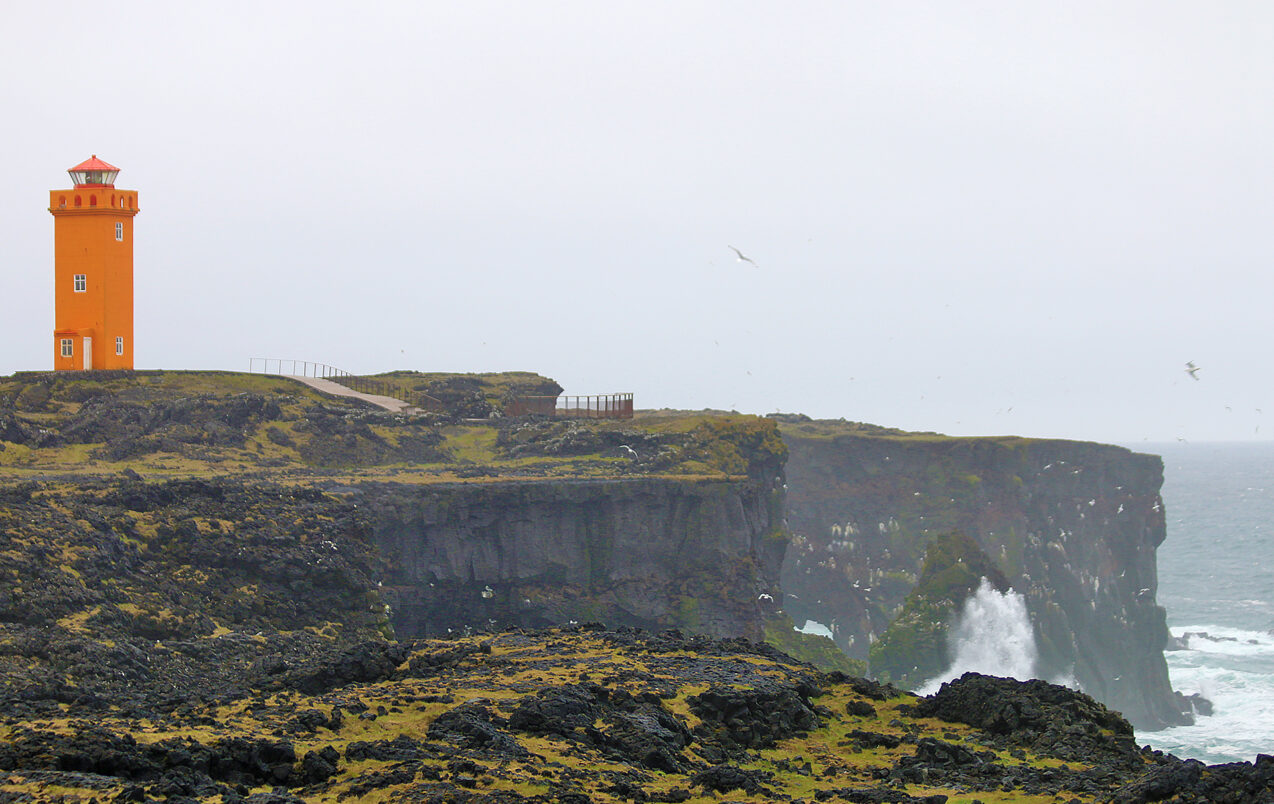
[975,218]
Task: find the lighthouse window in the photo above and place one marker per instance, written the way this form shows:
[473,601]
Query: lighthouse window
[81,283]
[119,345]
[68,350]
[119,231]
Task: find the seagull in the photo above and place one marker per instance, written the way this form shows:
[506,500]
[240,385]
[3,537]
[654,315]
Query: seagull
[743,258]
[632,453]
[1192,370]
[764,597]
[488,592]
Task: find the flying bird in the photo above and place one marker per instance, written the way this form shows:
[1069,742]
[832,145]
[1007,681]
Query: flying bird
[742,257]
[1192,370]
[632,453]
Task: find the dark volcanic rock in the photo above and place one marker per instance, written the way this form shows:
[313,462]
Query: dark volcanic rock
[366,662]
[1239,782]
[130,564]
[724,778]
[648,553]
[872,739]
[175,766]
[755,718]
[558,711]
[1044,716]
[399,749]
[131,428]
[637,730]
[472,725]
[319,766]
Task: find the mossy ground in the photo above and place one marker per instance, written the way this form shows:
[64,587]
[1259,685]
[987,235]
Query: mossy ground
[305,434]
[503,671]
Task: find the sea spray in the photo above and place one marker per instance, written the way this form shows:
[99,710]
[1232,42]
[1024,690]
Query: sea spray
[993,635]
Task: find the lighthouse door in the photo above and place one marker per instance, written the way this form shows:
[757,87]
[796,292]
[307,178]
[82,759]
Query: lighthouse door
[88,353]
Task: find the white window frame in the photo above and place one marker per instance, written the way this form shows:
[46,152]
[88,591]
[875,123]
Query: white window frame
[81,283]
[119,231]
[68,347]
[119,344]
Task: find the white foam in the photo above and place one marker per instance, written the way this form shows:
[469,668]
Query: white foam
[993,635]
[1242,705]
[1225,641]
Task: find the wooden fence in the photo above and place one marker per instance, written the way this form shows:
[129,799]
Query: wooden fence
[594,406]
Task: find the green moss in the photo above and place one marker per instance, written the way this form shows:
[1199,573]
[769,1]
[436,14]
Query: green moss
[914,647]
[818,650]
[313,434]
[686,614]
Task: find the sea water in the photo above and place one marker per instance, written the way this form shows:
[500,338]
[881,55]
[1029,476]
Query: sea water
[1219,594]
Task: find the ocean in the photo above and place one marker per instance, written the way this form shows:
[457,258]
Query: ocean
[1219,500]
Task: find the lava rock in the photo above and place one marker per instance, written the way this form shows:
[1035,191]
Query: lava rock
[724,778]
[470,726]
[754,718]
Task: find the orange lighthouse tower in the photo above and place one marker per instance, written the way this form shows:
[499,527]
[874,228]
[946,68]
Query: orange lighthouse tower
[93,270]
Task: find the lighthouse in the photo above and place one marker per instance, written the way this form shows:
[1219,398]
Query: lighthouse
[93,270]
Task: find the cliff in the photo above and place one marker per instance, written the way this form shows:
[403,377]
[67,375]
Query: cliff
[209,585]
[654,553]
[667,520]
[1072,526]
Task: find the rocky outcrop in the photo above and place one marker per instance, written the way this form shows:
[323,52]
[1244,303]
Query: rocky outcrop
[652,553]
[1072,526]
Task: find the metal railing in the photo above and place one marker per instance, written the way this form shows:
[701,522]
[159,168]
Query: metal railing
[295,368]
[593,406]
[355,382]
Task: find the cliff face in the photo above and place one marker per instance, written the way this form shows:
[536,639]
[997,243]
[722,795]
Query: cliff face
[653,553]
[1073,526]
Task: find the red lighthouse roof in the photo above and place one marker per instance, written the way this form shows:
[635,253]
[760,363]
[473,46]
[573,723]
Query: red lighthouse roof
[93,163]
[94,172]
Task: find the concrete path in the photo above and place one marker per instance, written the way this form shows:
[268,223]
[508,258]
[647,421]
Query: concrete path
[336,389]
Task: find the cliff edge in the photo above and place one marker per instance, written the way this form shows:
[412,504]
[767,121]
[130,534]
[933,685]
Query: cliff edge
[1072,526]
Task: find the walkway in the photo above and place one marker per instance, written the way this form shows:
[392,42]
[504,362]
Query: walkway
[336,389]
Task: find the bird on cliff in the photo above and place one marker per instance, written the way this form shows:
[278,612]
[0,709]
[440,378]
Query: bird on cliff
[1192,370]
[742,257]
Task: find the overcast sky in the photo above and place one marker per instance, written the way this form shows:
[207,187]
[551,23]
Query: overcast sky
[974,218]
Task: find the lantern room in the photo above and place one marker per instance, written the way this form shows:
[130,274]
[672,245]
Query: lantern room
[93,172]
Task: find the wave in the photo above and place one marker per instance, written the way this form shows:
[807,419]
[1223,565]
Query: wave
[1223,640]
[1234,669]
[1238,729]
